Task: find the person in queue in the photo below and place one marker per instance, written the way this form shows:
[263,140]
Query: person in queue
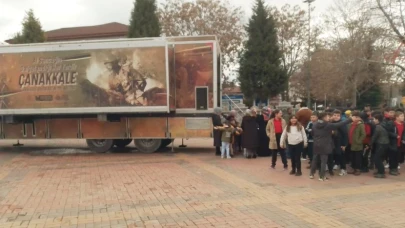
[294,135]
[250,138]
[274,129]
[323,144]
[217,122]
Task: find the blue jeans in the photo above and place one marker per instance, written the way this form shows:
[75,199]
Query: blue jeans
[225,148]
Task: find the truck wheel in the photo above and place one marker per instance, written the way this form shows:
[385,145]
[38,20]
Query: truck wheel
[100,145]
[147,145]
[121,143]
[165,143]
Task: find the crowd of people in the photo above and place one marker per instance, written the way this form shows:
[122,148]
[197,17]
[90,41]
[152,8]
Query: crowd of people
[353,142]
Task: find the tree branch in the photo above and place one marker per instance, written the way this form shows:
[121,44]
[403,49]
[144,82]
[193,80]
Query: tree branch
[391,22]
[386,64]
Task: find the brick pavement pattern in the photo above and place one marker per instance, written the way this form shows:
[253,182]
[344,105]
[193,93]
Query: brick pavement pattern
[189,188]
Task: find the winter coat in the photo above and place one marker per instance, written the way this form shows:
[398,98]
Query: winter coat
[250,135]
[322,134]
[359,134]
[271,133]
[263,149]
[380,136]
[308,130]
[216,122]
[294,137]
[340,138]
[227,133]
[389,126]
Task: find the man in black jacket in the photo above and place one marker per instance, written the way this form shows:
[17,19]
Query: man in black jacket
[340,141]
[389,125]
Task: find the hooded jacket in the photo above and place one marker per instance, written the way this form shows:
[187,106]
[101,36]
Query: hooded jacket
[322,134]
[359,134]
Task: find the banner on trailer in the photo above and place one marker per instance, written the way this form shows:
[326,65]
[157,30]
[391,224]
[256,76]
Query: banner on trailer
[194,68]
[84,78]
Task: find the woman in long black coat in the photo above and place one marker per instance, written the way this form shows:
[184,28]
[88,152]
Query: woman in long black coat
[250,138]
[262,119]
[217,122]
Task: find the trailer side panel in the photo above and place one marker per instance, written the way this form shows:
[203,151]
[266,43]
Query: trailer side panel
[113,80]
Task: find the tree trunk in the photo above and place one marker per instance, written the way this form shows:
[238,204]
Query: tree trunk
[354,94]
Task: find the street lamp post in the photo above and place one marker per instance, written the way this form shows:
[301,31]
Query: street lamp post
[309,54]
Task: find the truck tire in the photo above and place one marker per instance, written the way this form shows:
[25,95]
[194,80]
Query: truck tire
[165,143]
[148,145]
[100,145]
[122,143]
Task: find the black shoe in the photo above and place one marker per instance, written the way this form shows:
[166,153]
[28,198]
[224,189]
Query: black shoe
[299,173]
[331,173]
[292,172]
[249,157]
[364,170]
[254,156]
[394,173]
[357,173]
[379,175]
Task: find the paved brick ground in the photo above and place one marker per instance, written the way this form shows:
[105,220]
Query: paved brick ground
[191,188]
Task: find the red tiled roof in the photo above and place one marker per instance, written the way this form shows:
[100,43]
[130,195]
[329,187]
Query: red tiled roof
[232,90]
[109,30]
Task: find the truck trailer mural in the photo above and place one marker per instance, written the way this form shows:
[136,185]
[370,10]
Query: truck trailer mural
[150,90]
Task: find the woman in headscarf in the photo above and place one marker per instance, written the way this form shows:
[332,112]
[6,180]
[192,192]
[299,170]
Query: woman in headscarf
[217,122]
[250,139]
[262,119]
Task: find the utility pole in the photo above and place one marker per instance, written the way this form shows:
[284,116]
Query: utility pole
[309,54]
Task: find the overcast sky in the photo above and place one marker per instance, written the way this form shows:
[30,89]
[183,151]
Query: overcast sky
[55,14]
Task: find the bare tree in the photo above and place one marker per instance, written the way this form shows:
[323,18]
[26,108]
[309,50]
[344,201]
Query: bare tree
[292,31]
[206,17]
[350,63]
[393,13]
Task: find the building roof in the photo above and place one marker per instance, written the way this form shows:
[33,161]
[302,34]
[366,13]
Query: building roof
[113,29]
[97,31]
[232,90]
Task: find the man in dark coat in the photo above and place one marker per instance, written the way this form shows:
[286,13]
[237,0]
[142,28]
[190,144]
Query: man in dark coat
[217,122]
[323,143]
[250,138]
[262,119]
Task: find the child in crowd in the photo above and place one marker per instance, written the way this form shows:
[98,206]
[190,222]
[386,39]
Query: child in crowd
[227,132]
[237,132]
[357,134]
[380,140]
[366,142]
[308,130]
[399,124]
[323,143]
[392,151]
[296,138]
